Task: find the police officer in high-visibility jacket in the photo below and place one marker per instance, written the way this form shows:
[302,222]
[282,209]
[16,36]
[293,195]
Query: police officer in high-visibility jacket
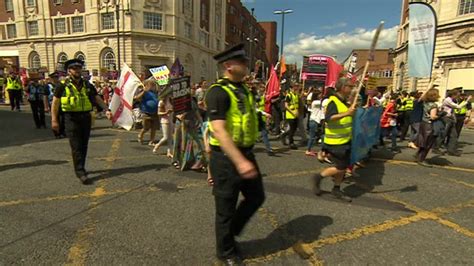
[337,138]
[15,91]
[463,114]
[291,116]
[75,97]
[408,102]
[234,131]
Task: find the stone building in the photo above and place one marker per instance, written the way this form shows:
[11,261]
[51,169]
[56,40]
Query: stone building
[42,34]
[454,48]
[381,68]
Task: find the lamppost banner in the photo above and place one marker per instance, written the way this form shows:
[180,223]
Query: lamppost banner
[421,39]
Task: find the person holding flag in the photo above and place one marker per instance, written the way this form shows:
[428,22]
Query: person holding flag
[337,138]
[75,97]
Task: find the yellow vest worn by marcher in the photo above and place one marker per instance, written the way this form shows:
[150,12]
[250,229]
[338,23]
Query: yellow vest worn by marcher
[292,106]
[75,100]
[461,111]
[409,103]
[241,118]
[338,132]
[261,107]
[13,84]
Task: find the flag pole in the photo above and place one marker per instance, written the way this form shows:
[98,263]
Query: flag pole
[371,58]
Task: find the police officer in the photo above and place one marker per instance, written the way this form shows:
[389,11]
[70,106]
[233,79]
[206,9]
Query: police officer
[462,114]
[75,97]
[291,115]
[406,108]
[337,138]
[233,168]
[15,92]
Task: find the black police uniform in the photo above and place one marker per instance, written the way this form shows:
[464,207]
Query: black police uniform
[78,127]
[230,218]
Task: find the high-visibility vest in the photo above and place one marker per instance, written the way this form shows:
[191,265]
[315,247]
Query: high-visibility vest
[402,106]
[241,118]
[292,106]
[13,84]
[338,132]
[74,100]
[461,111]
[261,107]
[409,104]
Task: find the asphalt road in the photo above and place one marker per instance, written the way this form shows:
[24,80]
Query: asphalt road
[140,210]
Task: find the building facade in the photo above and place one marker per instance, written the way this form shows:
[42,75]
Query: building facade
[454,48]
[242,27]
[42,34]
[271,47]
[381,68]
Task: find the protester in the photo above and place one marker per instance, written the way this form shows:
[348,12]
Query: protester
[148,98]
[337,138]
[388,123]
[291,115]
[165,110]
[316,116]
[262,119]
[37,97]
[427,133]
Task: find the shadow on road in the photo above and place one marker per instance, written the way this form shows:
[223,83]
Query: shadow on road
[304,229]
[106,174]
[30,164]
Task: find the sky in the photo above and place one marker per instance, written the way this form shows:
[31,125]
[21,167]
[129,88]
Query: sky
[331,27]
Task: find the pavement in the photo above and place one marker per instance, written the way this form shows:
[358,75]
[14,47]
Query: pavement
[140,210]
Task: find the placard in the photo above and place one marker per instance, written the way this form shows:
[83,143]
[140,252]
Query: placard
[161,74]
[181,94]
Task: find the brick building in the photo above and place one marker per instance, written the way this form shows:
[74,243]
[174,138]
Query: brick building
[242,27]
[271,47]
[381,67]
[40,34]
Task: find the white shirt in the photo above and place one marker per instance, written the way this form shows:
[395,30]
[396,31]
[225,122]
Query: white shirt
[317,111]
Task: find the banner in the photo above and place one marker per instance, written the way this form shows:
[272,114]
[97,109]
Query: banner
[272,89]
[372,83]
[421,40]
[365,132]
[161,74]
[181,97]
[122,100]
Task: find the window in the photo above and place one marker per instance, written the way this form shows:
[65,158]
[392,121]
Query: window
[62,58]
[152,21]
[11,31]
[204,38]
[77,24]
[60,25]
[203,11]
[58,2]
[203,70]
[188,7]
[33,28]
[466,7]
[232,10]
[82,57]
[188,30]
[108,21]
[218,44]
[30,3]
[8,5]
[218,23]
[35,60]
[108,59]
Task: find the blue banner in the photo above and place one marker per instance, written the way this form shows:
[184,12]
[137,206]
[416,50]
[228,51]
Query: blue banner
[421,39]
[365,132]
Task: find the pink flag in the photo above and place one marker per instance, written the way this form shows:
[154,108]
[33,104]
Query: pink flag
[272,90]
[122,101]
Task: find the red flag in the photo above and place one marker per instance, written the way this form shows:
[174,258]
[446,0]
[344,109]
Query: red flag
[272,90]
[334,69]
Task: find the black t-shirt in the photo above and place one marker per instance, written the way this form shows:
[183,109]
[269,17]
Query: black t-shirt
[331,109]
[218,101]
[92,92]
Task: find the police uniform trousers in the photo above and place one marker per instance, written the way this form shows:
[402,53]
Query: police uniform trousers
[460,123]
[78,129]
[37,108]
[15,99]
[230,216]
[405,124]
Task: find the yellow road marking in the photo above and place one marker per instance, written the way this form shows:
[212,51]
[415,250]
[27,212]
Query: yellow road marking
[456,227]
[460,182]
[78,251]
[391,161]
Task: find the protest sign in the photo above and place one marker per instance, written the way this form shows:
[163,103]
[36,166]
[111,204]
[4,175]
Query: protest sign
[181,94]
[161,74]
[365,132]
[371,83]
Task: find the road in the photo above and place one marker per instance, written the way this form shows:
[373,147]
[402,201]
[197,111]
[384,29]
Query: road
[140,210]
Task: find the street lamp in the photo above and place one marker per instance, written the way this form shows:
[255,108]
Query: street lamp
[282,13]
[251,40]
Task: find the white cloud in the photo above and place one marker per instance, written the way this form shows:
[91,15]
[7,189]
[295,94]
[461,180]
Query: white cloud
[334,26]
[340,44]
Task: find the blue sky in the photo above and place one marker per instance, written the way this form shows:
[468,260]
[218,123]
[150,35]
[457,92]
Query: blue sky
[332,27]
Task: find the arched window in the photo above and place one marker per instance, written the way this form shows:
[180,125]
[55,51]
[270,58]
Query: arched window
[188,64]
[82,57]
[62,58]
[203,70]
[35,60]
[108,59]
